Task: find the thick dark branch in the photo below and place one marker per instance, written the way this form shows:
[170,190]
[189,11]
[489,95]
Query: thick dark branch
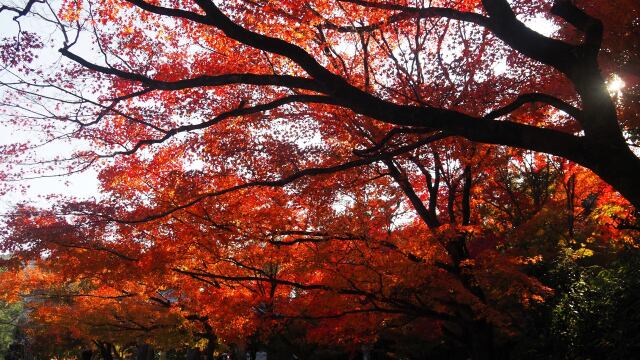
[502,133]
[200,81]
[122,327]
[214,17]
[333,85]
[432,182]
[579,63]
[407,188]
[160,10]
[20,12]
[428,12]
[533,98]
[493,132]
[504,24]
[590,26]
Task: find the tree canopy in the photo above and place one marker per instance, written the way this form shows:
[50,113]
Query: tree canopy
[356,171]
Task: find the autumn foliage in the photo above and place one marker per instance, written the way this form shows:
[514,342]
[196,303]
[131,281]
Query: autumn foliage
[348,174]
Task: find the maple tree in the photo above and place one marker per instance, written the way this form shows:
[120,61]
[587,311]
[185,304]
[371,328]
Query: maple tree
[331,162]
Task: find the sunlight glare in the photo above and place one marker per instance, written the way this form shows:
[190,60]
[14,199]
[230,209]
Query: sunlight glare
[615,85]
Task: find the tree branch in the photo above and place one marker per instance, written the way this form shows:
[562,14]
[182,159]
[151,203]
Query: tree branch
[533,98]
[590,26]
[226,115]
[20,12]
[274,183]
[423,13]
[200,81]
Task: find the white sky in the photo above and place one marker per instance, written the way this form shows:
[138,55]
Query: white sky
[82,185]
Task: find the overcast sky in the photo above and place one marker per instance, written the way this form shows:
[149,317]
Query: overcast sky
[81,185]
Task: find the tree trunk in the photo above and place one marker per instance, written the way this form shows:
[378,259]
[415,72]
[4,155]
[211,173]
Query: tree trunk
[86,354]
[366,352]
[145,352]
[481,341]
[211,347]
[193,354]
[212,340]
[105,349]
[571,196]
[619,167]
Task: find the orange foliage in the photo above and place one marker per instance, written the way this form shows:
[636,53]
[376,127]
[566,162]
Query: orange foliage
[241,189]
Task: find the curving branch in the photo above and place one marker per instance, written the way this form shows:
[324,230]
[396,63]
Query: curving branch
[393,133]
[402,307]
[240,111]
[422,13]
[494,132]
[401,179]
[95,248]
[534,98]
[20,12]
[590,26]
[273,183]
[200,81]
